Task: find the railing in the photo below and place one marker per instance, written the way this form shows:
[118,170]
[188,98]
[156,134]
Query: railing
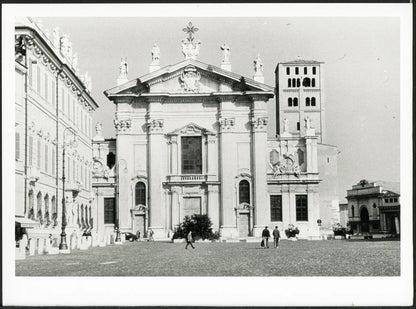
[189,178]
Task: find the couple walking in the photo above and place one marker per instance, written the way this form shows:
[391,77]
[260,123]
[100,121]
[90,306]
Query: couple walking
[265,237]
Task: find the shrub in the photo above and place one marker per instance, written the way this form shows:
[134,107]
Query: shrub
[200,225]
[292,231]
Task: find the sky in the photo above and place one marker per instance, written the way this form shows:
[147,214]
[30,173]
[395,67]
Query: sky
[361,58]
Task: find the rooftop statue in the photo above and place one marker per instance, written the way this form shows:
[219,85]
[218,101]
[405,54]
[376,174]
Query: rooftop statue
[258,66]
[155,54]
[226,53]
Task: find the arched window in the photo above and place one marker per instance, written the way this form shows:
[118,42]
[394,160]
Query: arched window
[293,82]
[313,101]
[295,102]
[313,82]
[305,70]
[287,70]
[244,192]
[289,102]
[296,70]
[352,211]
[307,101]
[39,206]
[306,82]
[140,192]
[289,82]
[298,82]
[46,201]
[31,213]
[111,160]
[313,70]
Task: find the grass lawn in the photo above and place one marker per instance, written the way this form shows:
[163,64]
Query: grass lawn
[292,258]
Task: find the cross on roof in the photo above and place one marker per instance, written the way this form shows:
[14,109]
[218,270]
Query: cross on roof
[190,30]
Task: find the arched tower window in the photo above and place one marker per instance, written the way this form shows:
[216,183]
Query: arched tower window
[296,70]
[306,82]
[244,192]
[289,82]
[305,70]
[111,160]
[293,82]
[307,101]
[289,102]
[295,102]
[140,192]
[313,101]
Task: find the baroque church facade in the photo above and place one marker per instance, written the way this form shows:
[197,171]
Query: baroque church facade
[191,138]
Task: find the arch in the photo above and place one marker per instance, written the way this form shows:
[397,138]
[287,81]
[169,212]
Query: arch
[313,101]
[295,102]
[306,82]
[289,101]
[313,82]
[140,193]
[289,82]
[47,210]
[307,101]
[39,207]
[244,192]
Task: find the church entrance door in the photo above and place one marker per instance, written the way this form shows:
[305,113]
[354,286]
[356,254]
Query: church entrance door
[139,225]
[243,225]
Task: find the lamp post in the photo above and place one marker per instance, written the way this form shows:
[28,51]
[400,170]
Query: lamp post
[63,247]
[118,237]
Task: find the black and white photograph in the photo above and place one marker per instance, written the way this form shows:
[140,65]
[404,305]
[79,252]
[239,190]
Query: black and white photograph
[210,155]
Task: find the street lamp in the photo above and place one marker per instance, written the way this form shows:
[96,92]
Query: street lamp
[63,245]
[118,237]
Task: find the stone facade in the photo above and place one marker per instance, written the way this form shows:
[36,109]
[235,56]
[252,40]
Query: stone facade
[51,97]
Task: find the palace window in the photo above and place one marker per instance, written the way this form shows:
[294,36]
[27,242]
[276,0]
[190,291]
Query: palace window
[288,71]
[301,208]
[295,102]
[307,101]
[313,101]
[293,82]
[296,70]
[305,70]
[289,82]
[140,193]
[313,82]
[276,208]
[314,70]
[109,210]
[244,192]
[191,155]
[298,82]
[289,101]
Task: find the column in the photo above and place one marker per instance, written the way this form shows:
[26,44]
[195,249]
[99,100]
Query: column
[174,154]
[155,142]
[212,159]
[259,151]
[228,168]
[308,155]
[213,209]
[175,207]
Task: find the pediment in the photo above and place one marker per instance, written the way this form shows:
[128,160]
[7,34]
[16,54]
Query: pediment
[193,129]
[189,77]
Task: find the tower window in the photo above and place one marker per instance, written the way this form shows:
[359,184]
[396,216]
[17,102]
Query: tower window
[293,82]
[313,101]
[308,101]
[298,126]
[296,70]
[313,82]
[305,70]
[244,192]
[288,71]
[289,102]
[298,82]
[289,82]
[295,102]
[314,70]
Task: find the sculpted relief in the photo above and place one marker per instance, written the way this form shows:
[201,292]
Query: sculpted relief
[287,164]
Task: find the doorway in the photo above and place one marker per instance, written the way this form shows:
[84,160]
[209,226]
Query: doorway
[139,225]
[365,226]
[243,225]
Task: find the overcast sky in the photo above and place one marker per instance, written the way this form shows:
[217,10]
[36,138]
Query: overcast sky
[361,57]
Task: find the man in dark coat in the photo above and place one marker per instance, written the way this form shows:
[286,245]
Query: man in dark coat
[276,237]
[265,235]
[189,240]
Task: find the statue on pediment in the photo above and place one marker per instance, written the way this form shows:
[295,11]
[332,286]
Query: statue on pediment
[226,53]
[155,54]
[258,66]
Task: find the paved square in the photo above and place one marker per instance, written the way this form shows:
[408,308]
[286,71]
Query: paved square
[292,258]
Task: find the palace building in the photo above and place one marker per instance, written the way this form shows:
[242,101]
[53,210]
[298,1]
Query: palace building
[54,107]
[191,138]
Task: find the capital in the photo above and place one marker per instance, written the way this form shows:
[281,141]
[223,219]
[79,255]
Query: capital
[226,124]
[155,125]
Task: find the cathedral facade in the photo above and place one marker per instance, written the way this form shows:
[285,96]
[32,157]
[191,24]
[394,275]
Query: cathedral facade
[191,138]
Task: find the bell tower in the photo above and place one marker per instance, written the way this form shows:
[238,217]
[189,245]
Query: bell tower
[300,98]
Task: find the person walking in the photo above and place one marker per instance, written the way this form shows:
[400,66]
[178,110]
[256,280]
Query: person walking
[189,239]
[265,235]
[151,235]
[276,237]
